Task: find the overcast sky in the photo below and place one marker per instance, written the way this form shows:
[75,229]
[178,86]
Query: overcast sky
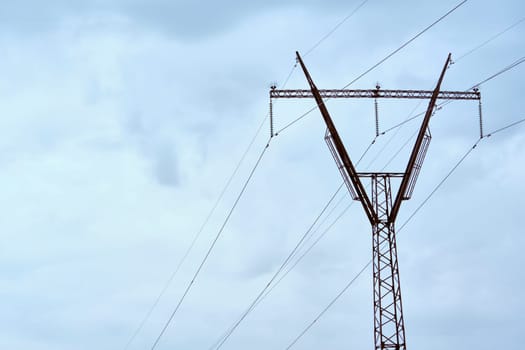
[121,122]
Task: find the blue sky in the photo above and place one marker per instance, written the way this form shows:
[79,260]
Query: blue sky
[122,121]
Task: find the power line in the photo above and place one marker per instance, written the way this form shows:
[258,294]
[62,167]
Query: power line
[272,287]
[423,203]
[327,35]
[455,167]
[405,44]
[348,207]
[219,199]
[325,231]
[328,306]
[392,138]
[335,28]
[509,67]
[505,127]
[327,216]
[440,183]
[205,223]
[316,226]
[211,247]
[329,226]
[298,260]
[379,63]
[197,235]
[321,235]
[304,239]
[201,229]
[506,69]
[289,74]
[257,301]
[283,265]
[492,38]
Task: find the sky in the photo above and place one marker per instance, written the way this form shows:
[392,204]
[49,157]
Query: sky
[122,121]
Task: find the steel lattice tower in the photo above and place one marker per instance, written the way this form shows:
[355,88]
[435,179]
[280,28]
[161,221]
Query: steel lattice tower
[380,208]
[389,326]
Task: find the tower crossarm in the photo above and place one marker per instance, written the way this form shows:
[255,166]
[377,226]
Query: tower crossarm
[377,93]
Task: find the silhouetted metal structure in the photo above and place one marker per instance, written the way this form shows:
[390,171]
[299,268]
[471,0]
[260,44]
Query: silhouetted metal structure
[380,207]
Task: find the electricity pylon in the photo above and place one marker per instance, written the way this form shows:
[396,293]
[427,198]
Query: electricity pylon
[380,207]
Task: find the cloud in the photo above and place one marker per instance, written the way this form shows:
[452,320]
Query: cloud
[187,20]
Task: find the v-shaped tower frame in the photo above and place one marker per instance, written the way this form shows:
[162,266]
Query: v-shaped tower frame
[380,207]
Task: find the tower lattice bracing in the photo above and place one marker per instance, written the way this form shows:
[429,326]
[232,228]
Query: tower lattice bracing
[389,326]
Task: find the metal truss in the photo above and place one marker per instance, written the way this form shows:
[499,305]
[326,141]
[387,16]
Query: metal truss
[377,93]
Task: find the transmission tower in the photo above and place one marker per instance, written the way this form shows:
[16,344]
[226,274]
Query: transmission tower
[380,206]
